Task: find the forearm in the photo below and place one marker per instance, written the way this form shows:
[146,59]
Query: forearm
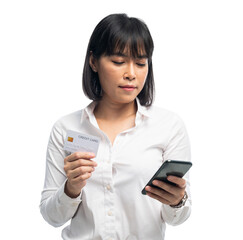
[56,207]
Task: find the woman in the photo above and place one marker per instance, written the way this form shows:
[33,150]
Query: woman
[101,194]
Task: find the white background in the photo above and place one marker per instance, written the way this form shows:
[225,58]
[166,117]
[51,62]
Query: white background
[198,63]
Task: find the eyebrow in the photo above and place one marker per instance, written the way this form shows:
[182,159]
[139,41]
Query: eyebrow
[124,55]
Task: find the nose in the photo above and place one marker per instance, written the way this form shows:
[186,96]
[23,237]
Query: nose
[130,73]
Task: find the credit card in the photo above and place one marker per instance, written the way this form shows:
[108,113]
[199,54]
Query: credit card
[79,142]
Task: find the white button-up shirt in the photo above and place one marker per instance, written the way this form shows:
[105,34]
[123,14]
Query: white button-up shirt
[111,205]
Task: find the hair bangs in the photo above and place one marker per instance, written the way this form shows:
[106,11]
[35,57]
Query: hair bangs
[132,47]
[130,38]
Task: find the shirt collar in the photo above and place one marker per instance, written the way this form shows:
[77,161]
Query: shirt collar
[142,110]
[88,112]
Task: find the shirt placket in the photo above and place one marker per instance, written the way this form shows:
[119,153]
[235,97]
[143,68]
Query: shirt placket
[109,200]
[107,181]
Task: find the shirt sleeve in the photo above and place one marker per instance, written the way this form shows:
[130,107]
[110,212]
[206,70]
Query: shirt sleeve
[56,207]
[178,148]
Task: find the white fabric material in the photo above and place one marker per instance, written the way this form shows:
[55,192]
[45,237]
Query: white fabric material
[111,205]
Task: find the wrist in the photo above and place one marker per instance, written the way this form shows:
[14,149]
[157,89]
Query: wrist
[182,202]
[70,192]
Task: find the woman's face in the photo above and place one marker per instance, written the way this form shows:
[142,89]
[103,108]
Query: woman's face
[121,76]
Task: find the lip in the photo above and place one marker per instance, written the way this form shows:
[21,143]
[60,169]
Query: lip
[128,87]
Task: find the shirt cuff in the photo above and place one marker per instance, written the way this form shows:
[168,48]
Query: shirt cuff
[176,216]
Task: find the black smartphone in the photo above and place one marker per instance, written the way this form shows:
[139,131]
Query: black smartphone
[169,167]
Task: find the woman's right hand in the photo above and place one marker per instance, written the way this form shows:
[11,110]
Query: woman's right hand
[78,167]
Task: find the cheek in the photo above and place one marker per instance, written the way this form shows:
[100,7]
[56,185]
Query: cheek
[143,76]
[108,81]
[108,75]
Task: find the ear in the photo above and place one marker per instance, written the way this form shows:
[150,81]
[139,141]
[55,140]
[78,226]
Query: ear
[93,62]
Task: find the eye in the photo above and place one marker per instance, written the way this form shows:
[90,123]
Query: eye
[141,64]
[117,63]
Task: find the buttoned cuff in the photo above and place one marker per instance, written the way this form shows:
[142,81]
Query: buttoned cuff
[176,216]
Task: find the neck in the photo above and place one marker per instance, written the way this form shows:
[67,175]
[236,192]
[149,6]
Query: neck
[114,111]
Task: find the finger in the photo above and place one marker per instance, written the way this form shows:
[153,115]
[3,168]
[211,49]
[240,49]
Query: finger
[80,155]
[160,193]
[79,171]
[165,186]
[168,197]
[82,162]
[180,182]
[78,163]
[81,178]
[159,198]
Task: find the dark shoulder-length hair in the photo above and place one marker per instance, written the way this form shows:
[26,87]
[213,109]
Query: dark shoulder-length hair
[114,34]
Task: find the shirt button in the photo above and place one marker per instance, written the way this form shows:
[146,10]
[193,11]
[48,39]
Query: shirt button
[110,213]
[108,187]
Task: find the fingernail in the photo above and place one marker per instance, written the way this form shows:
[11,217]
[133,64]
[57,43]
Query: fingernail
[95,164]
[148,188]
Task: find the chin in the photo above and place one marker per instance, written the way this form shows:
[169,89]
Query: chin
[125,99]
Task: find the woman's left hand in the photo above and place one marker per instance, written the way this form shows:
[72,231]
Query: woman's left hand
[167,193]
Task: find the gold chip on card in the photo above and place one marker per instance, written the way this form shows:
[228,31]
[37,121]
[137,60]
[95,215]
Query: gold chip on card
[70,139]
